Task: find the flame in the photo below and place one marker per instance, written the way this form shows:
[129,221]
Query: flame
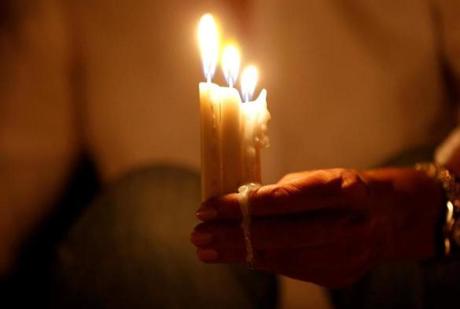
[208,39]
[249,78]
[231,63]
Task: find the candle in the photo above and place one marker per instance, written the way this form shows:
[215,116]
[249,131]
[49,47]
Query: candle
[208,38]
[231,121]
[232,132]
[256,117]
[211,171]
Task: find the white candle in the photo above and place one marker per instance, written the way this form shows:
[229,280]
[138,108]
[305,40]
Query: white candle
[211,165]
[232,132]
[210,122]
[231,138]
[254,132]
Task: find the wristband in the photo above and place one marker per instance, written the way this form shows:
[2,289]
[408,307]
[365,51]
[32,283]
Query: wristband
[450,230]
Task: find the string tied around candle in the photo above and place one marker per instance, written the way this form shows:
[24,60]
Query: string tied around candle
[244,201]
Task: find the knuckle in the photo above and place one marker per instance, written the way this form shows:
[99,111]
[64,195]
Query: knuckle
[353,185]
[280,192]
[291,175]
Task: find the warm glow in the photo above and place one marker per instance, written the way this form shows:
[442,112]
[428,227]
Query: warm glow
[231,63]
[208,38]
[249,78]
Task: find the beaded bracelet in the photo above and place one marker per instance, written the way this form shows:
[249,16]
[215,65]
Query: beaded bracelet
[451,226]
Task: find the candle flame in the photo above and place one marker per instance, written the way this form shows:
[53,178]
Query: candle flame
[249,78]
[231,63]
[208,39]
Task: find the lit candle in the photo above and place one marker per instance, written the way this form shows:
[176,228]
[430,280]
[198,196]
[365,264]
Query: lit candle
[211,171]
[256,117]
[232,132]
[231,138]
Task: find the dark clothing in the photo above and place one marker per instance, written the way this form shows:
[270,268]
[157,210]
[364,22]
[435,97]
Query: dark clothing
[130,249]
[406,285]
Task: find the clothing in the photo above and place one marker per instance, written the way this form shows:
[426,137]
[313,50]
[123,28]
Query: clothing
[129,249]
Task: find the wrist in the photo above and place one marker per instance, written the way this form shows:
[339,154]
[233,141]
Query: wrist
[408,207]
[449,229]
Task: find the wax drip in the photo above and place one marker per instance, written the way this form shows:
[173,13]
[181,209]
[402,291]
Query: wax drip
[244,192]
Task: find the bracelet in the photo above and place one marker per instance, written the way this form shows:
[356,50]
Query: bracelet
[450,226]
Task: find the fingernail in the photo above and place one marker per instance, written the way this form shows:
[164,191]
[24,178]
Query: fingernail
[207,255]
[201,239]
[206,214]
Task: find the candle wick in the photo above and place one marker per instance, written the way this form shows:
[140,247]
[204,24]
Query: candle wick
[230,83]
[208,78]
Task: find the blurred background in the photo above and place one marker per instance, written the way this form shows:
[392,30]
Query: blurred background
[93,91]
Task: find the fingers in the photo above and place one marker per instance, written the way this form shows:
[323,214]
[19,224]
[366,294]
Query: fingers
[282,233]
[331,189]
[222,255]
[332,251]
[266,201]
[218,235]
[337,263]
[287,260]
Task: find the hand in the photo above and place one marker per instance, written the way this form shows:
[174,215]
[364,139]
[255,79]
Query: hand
[327,226]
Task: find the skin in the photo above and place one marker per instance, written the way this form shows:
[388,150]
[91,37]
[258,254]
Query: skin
[327,226]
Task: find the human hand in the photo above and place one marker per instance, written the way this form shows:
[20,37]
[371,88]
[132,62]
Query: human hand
[327,226]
